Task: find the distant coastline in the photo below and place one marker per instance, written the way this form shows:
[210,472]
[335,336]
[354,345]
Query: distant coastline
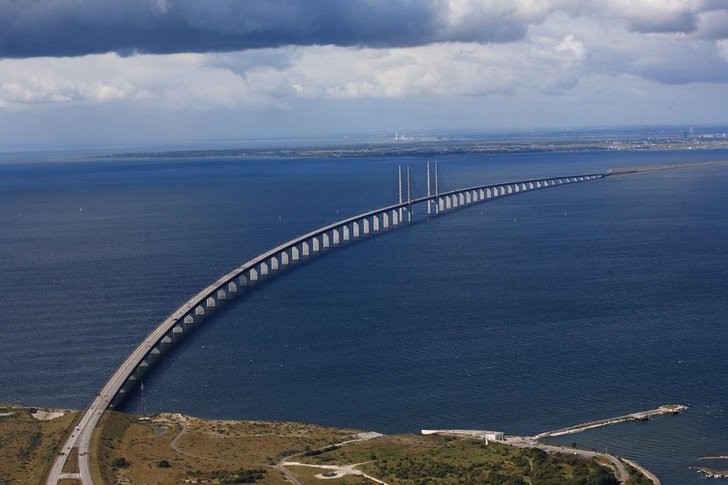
[433,146]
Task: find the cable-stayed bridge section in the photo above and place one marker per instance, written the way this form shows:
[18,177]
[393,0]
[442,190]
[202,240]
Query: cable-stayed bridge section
[264,266]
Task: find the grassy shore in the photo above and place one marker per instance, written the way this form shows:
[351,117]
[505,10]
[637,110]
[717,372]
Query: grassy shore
[172,449]
[29,440]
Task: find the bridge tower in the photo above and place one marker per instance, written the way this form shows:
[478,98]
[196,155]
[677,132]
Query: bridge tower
[429,202]
[437,191]
[409,196]
[399,187]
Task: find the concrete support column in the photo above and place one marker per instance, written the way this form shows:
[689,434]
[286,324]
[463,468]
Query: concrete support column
[375,223]
[397,216]
[461,199]
[335,237]
[189,320]
[355,229]
[253,275]
[243,280]
[306,248]
[232,287]
[210,302]
[440,204]
[295,253]
[263,269]
[200,310]
[325,241]
[315,245]
[274,263]
[284,258]
[221,295]
[365,224]
[345,233]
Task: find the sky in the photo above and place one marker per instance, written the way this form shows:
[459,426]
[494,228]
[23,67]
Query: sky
[112,73]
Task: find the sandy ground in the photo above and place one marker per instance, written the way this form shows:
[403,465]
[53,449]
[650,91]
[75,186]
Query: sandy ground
[48,414]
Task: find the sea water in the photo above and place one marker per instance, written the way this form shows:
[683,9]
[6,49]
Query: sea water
[524,314]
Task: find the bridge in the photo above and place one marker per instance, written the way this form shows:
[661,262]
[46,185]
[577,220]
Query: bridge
[266,265]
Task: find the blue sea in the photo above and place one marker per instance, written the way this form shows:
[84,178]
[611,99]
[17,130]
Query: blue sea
[524,314]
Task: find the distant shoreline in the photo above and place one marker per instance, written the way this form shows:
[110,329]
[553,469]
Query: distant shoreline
[444,147]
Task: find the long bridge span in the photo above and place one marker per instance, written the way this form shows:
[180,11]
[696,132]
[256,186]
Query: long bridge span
[270,263]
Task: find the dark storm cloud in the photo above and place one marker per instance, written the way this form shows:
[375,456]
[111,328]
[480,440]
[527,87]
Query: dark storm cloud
[33,28]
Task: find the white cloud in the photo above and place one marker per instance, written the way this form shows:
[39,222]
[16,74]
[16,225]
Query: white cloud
[568,55]
[722,46]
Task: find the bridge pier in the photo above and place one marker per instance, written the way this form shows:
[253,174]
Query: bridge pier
[253,275]
[305,251]
[295,254]
[263,269]
[232,287]
[385,220]
[375,223]
[210,303]
[335,236]
[315,245]
[325,240]
[345,233]
[274,263]
[365,224]
[284,258]
[355,229]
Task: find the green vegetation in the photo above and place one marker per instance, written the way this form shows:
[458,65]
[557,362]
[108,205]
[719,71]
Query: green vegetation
[120,462]
[430,460]
[228,477]
[635,477]
[28,443]
[127,450]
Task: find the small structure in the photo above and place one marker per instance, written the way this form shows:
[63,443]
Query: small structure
[473,433]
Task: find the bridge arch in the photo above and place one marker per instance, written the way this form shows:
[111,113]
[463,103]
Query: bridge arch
[195,310]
